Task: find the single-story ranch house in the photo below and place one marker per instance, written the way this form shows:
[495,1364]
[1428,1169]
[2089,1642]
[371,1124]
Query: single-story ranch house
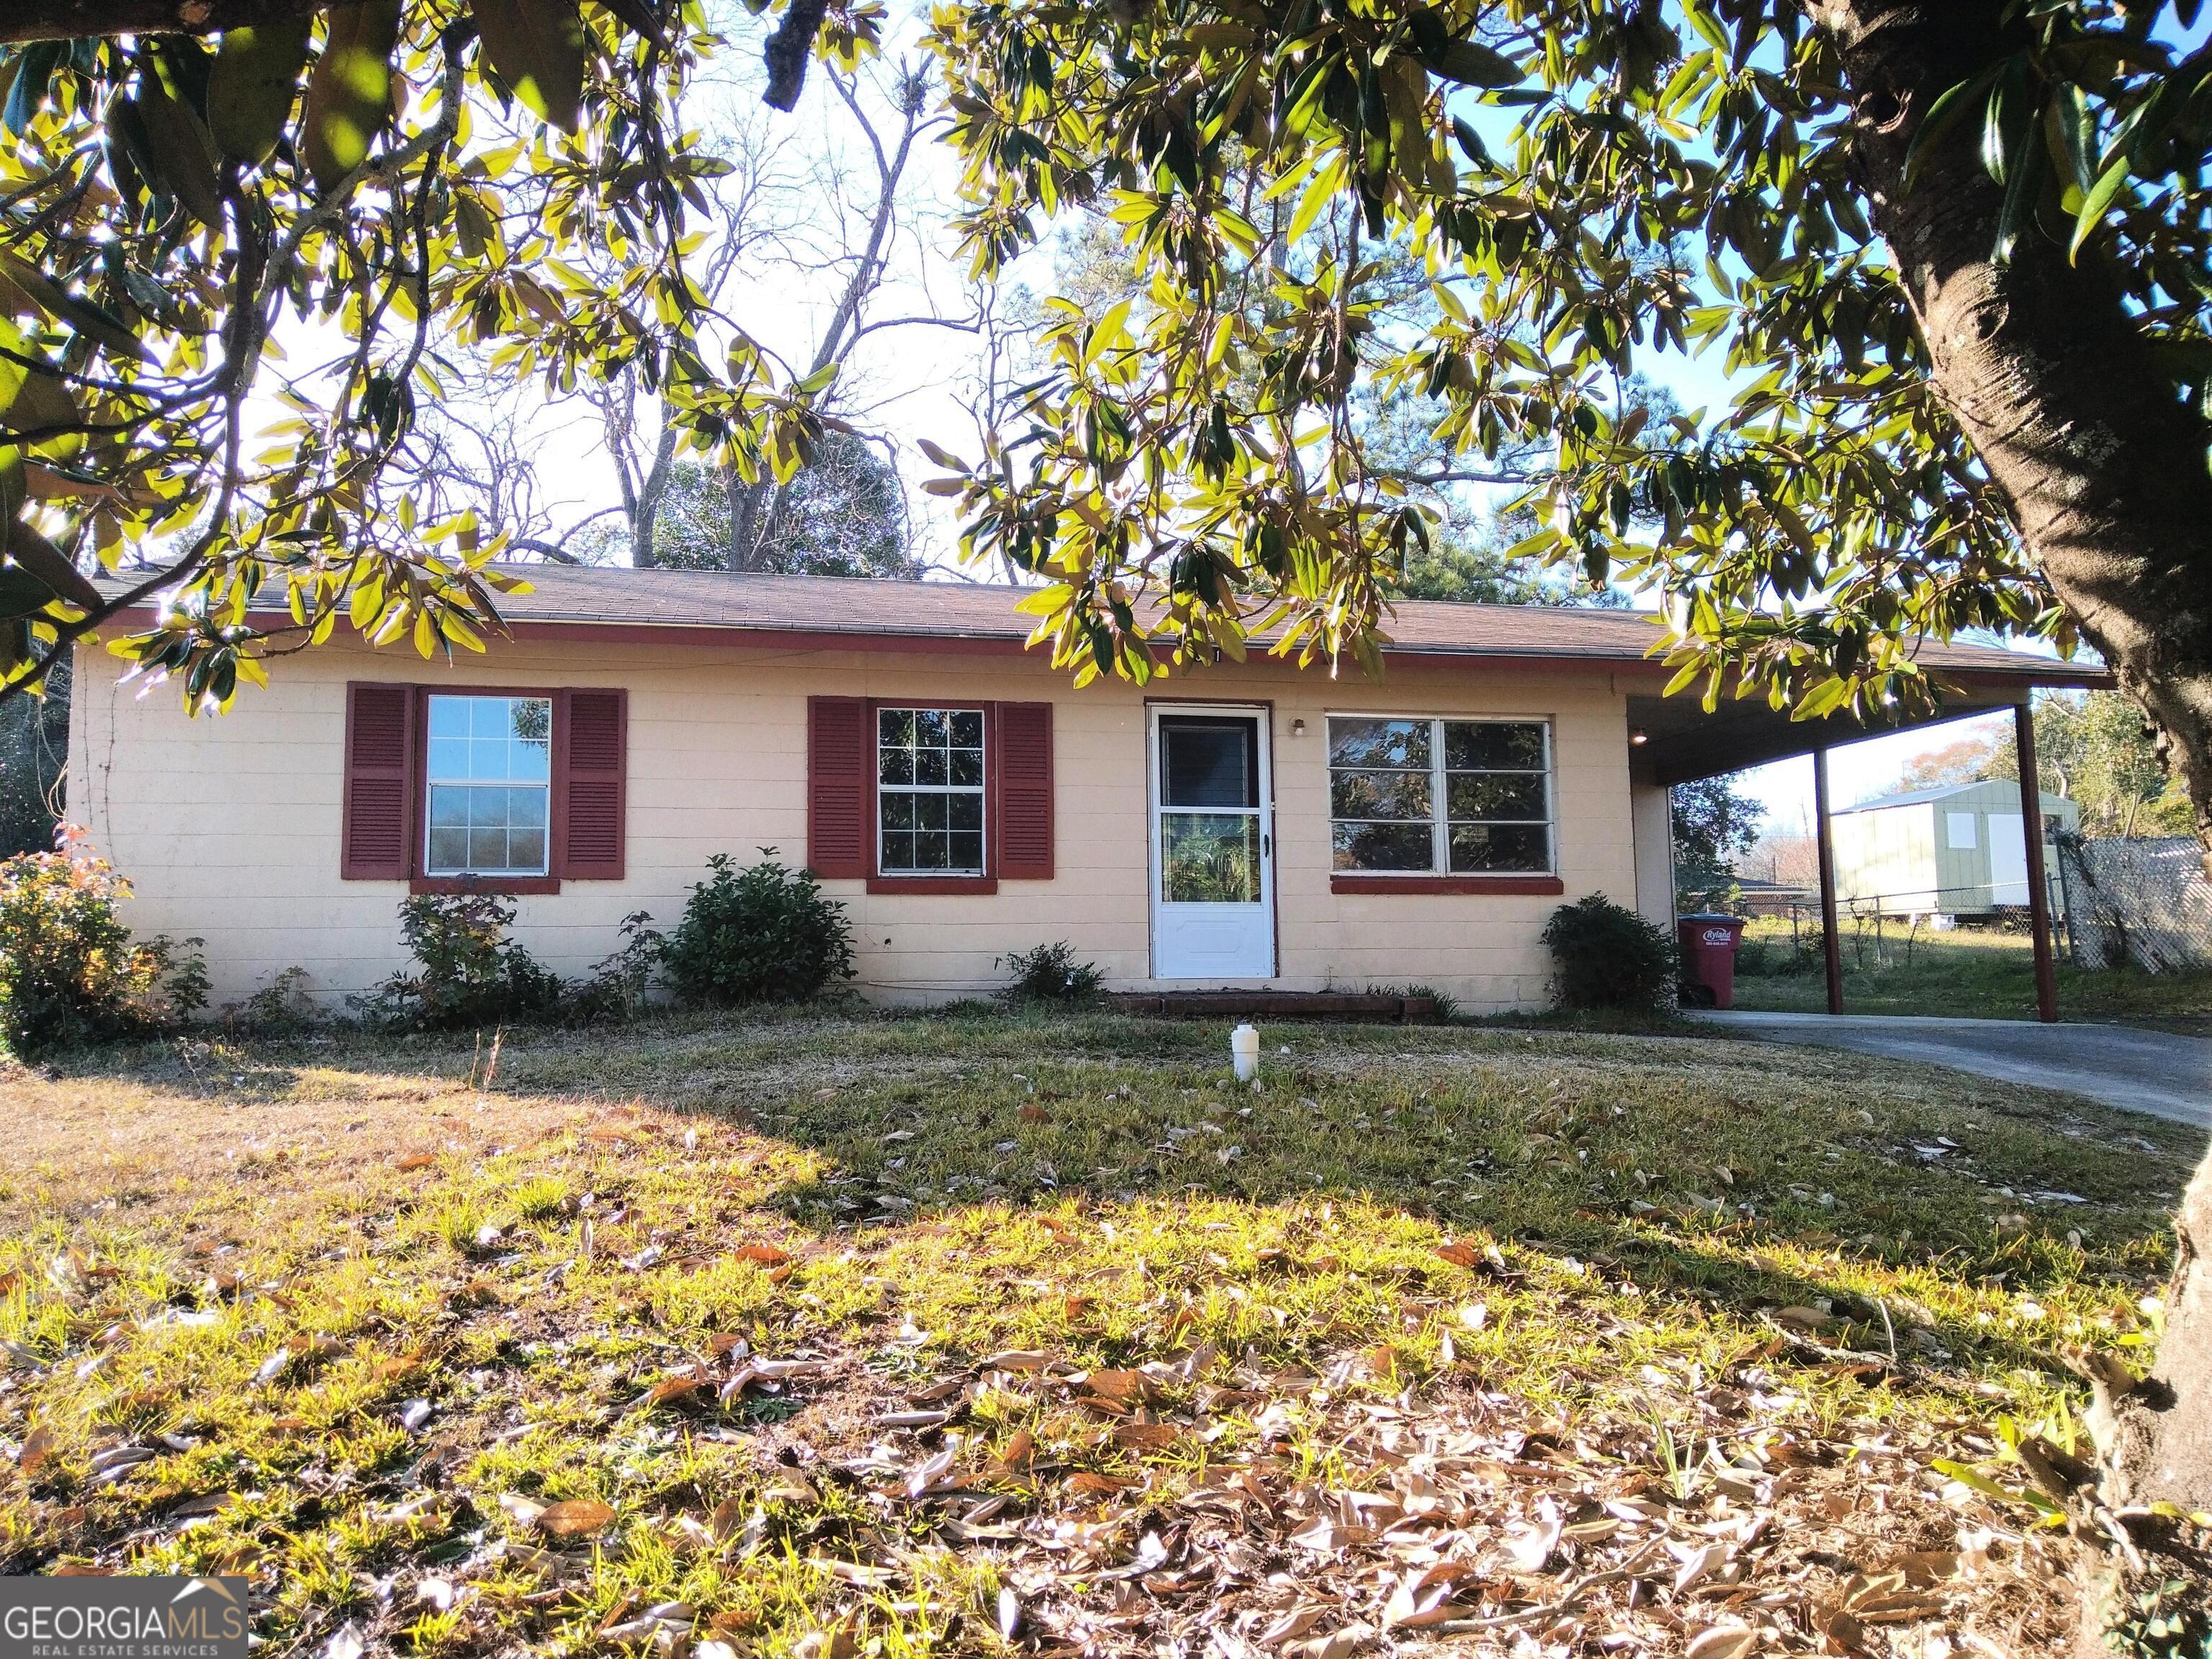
[1245,825]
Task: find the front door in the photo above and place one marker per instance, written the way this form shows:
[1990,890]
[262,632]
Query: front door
[1213,845]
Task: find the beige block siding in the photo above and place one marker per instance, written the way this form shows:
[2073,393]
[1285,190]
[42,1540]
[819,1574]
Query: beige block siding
[228,827]
[1653,818]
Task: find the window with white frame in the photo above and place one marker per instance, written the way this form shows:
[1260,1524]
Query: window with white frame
[929,792]
[489,779]
[1424,795]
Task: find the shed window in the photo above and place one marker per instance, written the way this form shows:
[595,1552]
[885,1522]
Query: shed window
[1429,796]
[489,779]
[929,791]
[1959,828]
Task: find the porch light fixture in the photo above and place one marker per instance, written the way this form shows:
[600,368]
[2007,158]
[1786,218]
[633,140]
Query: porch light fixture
[1638,737]
[1297,728]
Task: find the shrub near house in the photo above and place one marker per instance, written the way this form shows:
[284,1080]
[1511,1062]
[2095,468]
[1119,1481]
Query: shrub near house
[70,970]
[764,933]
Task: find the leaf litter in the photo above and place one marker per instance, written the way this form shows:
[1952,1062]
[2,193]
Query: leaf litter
[666,1413]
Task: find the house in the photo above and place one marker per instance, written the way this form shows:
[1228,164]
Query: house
[1959,850]
[1244,825]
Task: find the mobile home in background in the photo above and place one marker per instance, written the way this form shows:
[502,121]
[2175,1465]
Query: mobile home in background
[1960,851]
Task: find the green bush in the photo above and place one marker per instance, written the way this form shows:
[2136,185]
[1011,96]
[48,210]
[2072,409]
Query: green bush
[281,1007]
[764,933]
[1051,973]
[616,990]
[1609,957]
[70,972]
[469,972]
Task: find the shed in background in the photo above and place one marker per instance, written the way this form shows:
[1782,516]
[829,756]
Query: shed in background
[1959,850]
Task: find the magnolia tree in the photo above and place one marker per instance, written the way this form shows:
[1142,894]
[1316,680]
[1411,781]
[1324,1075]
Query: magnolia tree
[1954,259]
[236,234]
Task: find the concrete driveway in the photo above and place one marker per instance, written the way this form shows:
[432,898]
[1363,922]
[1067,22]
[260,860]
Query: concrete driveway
[2138,1071]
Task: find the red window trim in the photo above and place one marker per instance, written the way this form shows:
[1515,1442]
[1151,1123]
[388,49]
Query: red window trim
[418,809]
[880,884]
[517,885]
[418,795]
[877,880]
[1417,882]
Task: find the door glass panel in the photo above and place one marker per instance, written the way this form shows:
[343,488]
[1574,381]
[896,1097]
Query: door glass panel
[1209,857]
[1206,763]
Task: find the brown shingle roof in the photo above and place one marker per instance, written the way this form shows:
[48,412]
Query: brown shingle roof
[611,595]
[823,607]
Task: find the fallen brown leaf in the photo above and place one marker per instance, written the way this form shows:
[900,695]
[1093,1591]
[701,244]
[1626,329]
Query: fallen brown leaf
[575,1517]
[1723,1642]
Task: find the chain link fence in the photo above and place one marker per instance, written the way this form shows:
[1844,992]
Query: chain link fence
[2142,901]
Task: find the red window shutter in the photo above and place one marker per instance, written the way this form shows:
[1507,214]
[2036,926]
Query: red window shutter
[590,767]
[376,840]
[840,764]
[1024,790]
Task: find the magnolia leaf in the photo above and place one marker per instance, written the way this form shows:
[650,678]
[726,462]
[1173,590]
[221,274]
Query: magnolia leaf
[2094,206]
[637,16]
[574,1518]
[349,91]
[1724,1642]
[181,151]
[253,84]
[1471,64]
[38,292]
[33,397]
[42,559]
[537,47]
[26,89]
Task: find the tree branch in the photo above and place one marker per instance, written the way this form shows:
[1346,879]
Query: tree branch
[75,20]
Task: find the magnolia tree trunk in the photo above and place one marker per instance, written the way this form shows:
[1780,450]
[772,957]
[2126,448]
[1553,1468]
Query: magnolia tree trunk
[2106,470]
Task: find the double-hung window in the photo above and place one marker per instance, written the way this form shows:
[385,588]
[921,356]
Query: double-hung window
[929,792]
[490,782]
[1426,795]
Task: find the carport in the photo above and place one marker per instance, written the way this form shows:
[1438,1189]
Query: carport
[1675,740]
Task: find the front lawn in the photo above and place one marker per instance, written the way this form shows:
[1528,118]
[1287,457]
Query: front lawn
[976,1333]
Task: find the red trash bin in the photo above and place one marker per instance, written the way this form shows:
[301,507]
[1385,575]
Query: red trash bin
[1709,944]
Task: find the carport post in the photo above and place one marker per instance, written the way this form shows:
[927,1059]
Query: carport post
[1831,948]
[2038,891]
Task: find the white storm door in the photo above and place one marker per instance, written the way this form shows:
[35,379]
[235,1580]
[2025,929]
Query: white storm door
[1213,845]
[2008,859]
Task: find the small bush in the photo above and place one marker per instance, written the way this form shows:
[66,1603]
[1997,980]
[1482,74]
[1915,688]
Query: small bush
[616,993]
[764,933]
[1051,973]
[471,973]
[1609,957]
[70,970]
[279,1008]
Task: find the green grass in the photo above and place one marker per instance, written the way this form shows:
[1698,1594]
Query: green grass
[1970,972]
[1669,1260]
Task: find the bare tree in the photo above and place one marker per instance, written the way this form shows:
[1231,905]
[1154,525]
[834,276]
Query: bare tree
[760,509]
[836,221]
